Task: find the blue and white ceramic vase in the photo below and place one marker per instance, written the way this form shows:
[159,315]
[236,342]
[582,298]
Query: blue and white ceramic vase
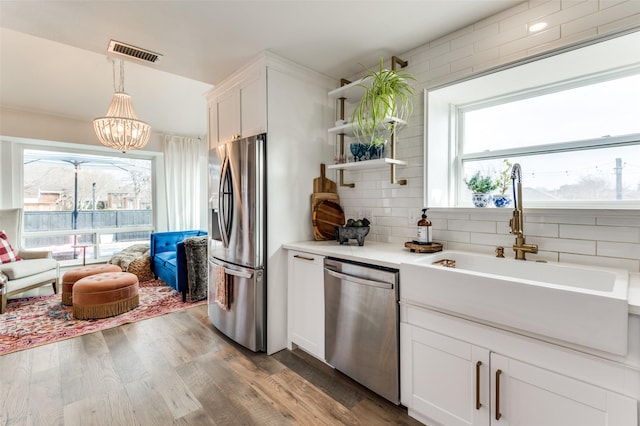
[501,200]
[481,200]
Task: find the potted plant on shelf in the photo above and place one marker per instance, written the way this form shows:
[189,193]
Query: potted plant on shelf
[387,93]
[481,186]
[503,184]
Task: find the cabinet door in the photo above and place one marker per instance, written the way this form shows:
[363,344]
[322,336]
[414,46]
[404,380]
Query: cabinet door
[253,104]
[525,395]
[443,379]
[306,302]
[227,107]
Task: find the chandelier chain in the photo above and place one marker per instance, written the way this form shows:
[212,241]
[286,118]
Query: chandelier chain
[120,87]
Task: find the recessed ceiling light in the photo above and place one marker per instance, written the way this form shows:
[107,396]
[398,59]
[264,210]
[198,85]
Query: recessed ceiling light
[538,26]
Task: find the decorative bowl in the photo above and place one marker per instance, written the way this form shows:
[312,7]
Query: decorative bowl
[345,233]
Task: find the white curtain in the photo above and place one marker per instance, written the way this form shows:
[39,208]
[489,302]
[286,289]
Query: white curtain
[184,166]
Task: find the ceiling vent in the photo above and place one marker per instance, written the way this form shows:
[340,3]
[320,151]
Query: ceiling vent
[132,52]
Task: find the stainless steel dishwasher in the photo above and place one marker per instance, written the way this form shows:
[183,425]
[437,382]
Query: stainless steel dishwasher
[361,324]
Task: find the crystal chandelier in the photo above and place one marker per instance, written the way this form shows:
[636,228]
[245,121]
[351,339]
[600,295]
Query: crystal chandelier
[120,128]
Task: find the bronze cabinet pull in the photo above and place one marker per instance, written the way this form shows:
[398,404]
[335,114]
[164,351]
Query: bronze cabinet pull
[498,414]
[478,404]
[297,256]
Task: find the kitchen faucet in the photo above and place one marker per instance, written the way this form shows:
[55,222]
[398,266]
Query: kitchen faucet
[517,221]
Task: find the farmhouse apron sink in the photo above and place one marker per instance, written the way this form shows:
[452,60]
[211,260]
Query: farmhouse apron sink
[583,305]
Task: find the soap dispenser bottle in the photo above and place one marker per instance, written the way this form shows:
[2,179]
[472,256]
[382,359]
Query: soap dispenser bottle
[424,229]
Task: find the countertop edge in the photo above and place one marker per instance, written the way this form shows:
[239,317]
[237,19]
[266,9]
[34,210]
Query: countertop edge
[391,256]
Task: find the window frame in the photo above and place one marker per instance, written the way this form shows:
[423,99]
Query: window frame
[18,184]
[443,119]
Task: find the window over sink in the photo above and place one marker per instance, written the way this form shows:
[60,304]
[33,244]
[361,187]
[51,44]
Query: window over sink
[570,120]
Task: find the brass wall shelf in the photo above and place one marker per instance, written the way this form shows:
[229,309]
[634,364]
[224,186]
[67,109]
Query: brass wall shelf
[351,92]
[347,129]
[367,164]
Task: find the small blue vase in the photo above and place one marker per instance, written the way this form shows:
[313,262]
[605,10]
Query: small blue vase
[360,151]
[376,151]
[501,200]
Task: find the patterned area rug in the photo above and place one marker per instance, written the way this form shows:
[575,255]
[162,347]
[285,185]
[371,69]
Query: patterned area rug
[35,321]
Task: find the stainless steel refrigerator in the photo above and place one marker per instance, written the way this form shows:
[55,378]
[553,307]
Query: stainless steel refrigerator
[237,245]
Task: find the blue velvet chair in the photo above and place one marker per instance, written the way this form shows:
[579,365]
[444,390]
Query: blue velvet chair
[168,259]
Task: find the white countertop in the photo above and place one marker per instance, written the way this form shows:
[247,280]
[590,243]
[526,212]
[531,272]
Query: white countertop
[392,255]
[381,254]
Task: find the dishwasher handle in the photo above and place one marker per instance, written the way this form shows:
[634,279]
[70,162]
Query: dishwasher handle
[357,280]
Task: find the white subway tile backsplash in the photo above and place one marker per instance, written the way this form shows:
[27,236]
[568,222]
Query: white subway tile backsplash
[569,218]
[492,240]
[391,221]
[501,38]
[602,17]
[567,14]
[619,220]
[609,262]
[501,16]
[630,21]
[500,215]
[436,50]
[601,233]
[563,41]
[605,4]
[564,245]
[440,72]
[535,12]
[623,250]
[472,226]
[536,39]
[448,215]
[458,236]
[542,229]
[596,237]
[469,62]
[453,55]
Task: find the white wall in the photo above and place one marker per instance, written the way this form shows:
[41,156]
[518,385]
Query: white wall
[594,237]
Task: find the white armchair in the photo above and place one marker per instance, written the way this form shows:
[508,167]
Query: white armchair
[35,269]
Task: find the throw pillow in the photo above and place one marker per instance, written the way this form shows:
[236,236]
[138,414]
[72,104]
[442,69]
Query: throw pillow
[7,254]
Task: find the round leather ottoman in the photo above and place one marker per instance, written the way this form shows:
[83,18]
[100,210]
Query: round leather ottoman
[105,295]
[72,275]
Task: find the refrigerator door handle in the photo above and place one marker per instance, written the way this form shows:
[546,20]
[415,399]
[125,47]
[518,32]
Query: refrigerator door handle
[357,280]
[246,275]
[225,202]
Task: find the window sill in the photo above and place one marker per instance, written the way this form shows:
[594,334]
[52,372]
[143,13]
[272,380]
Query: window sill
[564,210]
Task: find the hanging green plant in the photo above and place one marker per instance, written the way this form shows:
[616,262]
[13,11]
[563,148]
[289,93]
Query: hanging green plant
[388,93]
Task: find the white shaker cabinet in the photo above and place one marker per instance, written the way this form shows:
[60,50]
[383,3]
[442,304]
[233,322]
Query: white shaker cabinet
[527,395]
[443,379]
[239,109]
[306,302]
[449,381]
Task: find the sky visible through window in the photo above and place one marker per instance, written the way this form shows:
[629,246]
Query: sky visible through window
[602,110]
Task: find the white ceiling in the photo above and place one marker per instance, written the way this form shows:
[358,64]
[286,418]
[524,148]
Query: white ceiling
[53,53]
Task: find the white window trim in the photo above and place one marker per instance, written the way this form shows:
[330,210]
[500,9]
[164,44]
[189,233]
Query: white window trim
[14,182]
[441,108]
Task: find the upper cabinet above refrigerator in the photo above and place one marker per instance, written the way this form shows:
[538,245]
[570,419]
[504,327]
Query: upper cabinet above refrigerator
[238,107]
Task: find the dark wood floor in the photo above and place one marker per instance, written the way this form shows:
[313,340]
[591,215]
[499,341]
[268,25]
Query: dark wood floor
[177,369]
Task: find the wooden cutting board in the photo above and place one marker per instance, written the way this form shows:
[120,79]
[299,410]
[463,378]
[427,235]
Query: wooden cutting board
[325,217]
[322,184]
[317,197]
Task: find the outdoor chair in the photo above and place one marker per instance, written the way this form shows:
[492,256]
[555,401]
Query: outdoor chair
[34,269]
